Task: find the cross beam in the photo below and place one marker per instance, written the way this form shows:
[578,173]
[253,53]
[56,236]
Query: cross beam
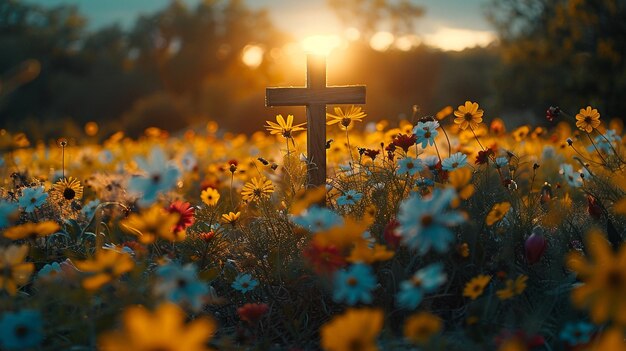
[315,96]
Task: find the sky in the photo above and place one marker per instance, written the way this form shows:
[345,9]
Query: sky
[449,24]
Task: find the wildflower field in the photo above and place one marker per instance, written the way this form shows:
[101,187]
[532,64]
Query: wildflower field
[444,232]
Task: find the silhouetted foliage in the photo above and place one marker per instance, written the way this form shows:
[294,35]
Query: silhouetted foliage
[567,52]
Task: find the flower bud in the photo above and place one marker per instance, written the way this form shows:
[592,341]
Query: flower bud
[535,245]
[391,235]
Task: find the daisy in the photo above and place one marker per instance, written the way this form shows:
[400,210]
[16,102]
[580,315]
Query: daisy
[180,284]
[351,197]
[468,115]
[453,162]
[410,166]
[424,223]
[345,119]
[354,284]
[244,283]
[32,198]
[158,177]
[426,132]
[21,330]
[588,119]
[284,128]
[424,281]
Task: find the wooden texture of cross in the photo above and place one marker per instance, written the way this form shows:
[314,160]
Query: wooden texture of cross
[315,96]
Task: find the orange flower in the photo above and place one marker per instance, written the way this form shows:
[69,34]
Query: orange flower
[32,230]
[468,115]
[13,270]
[604,277]
[588,119]
[164,329]
[475,287]
[356,329]
[104,267]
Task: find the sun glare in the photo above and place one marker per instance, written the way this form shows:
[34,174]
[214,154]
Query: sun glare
[381,41]
[320,44]
[252,56]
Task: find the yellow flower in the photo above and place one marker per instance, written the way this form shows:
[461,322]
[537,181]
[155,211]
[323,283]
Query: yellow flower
[588,119]
[604,277]
[345,119]
[468,115]
[105,266]
[356,329]
[13,270]
[163,329]
[363,253]
[284,128]
[32,230]
[461,179]
[257,189]
[342,236]
[231,218]
[444,112]
[513,344]
[67,189]
[475,287]
[611,339]
[513,288]
[151,224]
[420,327]
[497,212]
[307,197]
[210,196]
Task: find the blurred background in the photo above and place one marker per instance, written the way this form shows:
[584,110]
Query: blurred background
[131,64]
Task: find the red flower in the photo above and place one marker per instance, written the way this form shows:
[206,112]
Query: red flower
[392,238]
[483,156]
[552,113]
[371,153]
[404,141]
[186,213]
[391,151]
[208,236]
[252,312]
[324,259]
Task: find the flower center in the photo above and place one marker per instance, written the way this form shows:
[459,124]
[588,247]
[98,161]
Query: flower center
[427,220]
[615,280]
[455,165]
[588,119]
[69,193]
[156,178]
[409,165]
[245,285]
[181,283]
[352,281]
[417,282]
[21,331]
[346,121]
[468,117]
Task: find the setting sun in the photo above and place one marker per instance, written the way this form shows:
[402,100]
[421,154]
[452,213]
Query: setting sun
[320,44]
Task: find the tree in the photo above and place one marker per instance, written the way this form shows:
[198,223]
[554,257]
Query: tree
[368,16]
[568,52]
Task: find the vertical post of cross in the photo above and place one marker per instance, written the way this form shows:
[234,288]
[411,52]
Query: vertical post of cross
[316,122]
[315,96]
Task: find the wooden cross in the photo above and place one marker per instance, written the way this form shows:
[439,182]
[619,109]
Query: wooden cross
[315,96]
